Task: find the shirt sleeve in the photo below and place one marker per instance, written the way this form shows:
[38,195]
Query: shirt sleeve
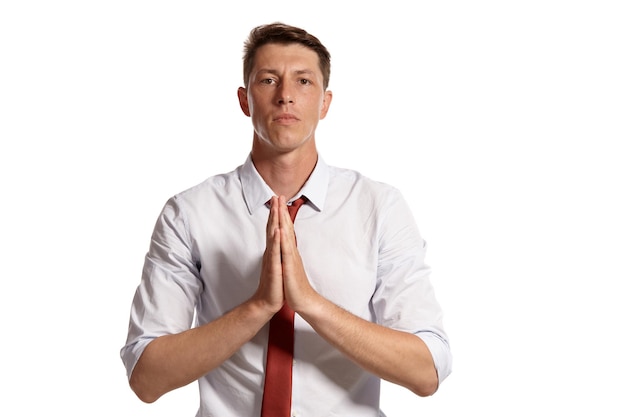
[404,298]
[165,300]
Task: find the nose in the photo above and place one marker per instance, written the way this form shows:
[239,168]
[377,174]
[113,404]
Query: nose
[285,100]
[284,95]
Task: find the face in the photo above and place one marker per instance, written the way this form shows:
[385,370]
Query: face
[285,97]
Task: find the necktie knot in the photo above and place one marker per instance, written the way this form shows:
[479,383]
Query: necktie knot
[295,206]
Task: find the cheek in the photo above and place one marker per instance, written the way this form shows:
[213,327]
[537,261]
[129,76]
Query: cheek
[260,125]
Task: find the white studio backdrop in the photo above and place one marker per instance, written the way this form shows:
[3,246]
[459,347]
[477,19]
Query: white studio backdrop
[502,123]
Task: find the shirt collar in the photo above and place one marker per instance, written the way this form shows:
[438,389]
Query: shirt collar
[256,192]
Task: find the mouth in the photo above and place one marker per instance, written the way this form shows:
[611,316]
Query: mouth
[285,118]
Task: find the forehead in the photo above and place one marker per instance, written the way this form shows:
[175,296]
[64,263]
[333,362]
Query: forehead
[274,56]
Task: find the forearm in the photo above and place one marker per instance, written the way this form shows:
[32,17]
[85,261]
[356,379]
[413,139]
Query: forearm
[393,355]
[172,361]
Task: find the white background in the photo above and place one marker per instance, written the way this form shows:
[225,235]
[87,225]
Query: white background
[502,122]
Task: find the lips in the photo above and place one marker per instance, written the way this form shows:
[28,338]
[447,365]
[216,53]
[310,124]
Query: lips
[285,118]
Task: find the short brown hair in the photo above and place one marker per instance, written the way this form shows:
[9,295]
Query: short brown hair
[283,34]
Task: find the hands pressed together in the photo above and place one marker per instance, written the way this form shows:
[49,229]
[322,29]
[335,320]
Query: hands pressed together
[283,279]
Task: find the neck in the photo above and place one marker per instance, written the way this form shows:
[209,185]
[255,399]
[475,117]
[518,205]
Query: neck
[285,173]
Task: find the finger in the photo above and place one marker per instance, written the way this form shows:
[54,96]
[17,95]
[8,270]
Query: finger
[294,278]
[275,251]
[272,221]
[284,217]
[271,281]
[288,246]
[274,238]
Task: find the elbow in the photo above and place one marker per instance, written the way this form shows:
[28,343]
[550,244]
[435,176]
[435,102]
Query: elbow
[426,383]
[145,396]
[143,391]
[425,388]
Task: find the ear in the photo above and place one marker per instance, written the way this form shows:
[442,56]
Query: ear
[328,97]
[242,94]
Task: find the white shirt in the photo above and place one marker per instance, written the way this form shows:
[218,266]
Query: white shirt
[360,247]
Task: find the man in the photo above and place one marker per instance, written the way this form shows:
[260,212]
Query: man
[227,252]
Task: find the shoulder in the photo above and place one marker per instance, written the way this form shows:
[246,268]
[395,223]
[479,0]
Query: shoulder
[219,184]
[202,197]
[351,191]
[354,180]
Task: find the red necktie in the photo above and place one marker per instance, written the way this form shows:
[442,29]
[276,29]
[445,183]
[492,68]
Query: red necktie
[277,391]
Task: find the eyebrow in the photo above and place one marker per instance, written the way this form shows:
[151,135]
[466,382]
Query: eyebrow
[275,72]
